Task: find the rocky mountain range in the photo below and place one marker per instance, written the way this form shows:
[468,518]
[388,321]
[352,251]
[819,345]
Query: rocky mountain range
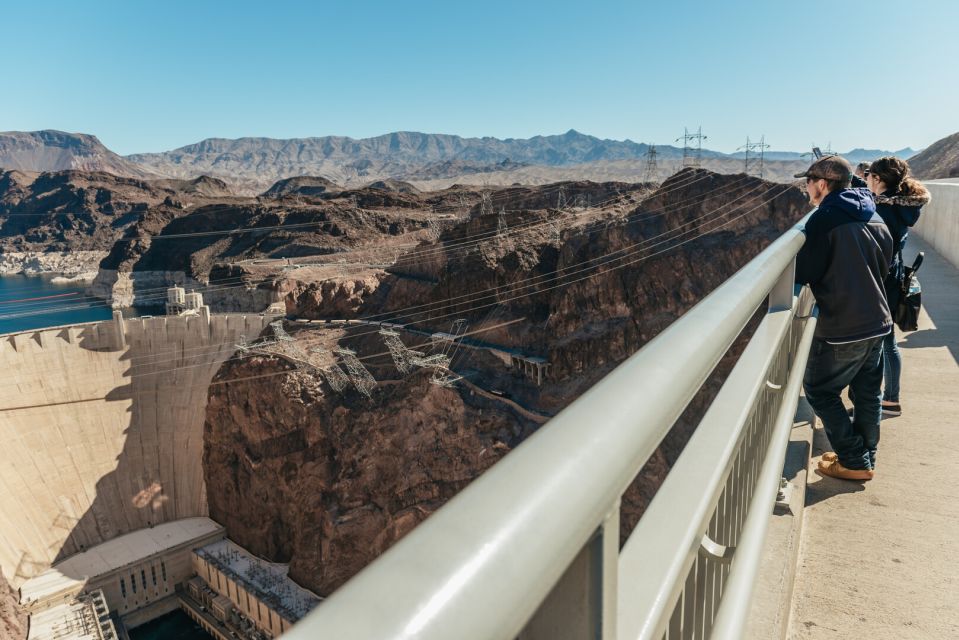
[427,161]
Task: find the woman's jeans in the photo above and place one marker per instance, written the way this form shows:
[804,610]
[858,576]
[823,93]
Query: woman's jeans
[830,369]
[892,367]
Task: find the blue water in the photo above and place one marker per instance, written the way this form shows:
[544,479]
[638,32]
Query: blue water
[34,302]
[173,626]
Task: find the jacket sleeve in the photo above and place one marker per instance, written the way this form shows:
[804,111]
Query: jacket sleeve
[908,215]
[813,259]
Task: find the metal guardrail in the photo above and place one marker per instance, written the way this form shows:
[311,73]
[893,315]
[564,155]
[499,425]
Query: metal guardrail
[530,549]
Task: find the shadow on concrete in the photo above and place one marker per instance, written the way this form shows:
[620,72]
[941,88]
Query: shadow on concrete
[940,299]
[825,487]
[828,487]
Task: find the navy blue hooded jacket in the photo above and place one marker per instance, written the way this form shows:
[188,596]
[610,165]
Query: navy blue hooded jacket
[845,260]
[899,212]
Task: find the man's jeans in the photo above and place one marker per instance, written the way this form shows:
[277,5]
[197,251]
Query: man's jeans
[833,367]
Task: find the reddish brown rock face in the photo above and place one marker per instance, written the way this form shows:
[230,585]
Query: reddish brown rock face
[329,482]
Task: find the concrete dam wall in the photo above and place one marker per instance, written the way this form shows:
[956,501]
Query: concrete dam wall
[102,430]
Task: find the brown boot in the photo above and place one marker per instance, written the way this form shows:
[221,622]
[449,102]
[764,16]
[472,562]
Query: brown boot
[834,469]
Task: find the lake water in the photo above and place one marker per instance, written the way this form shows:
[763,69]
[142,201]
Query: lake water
[173,626]
[34,302]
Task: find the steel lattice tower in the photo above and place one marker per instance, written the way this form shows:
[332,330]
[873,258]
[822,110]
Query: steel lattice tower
[692,155]
[651,164]
[756,166]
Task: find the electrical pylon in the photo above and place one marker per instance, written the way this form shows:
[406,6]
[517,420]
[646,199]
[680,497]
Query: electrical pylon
[756,165]
[650,173]
[692,155]
[362,379]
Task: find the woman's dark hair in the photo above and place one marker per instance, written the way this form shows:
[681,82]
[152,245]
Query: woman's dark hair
[895,173]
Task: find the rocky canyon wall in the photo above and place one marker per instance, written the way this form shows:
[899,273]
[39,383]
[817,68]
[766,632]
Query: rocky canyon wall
[327,481]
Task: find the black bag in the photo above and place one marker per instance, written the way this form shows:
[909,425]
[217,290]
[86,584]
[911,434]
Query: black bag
[906,313]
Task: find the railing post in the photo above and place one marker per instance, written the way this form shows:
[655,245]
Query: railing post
[582,605]
[781,295]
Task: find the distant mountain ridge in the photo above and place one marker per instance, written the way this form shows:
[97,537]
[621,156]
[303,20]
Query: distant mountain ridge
[855,156]
[397,155]
[51,150]
[254,164]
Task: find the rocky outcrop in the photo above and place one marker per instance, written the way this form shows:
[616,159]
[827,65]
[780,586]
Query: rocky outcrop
[308,186]
[79,265]
[71,211]
[938,160]
[327,482]
[334,298]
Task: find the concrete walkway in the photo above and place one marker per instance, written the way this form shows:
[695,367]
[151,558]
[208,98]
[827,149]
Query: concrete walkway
[881,559]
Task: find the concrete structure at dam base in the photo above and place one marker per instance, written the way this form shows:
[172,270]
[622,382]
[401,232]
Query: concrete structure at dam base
[140,576]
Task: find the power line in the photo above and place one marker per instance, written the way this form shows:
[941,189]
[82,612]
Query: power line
[557,281]
[449,249]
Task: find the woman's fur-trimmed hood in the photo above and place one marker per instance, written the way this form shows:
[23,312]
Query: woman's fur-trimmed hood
[920,198]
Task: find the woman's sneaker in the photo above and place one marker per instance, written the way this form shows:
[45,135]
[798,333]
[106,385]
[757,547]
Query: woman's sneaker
[891,408]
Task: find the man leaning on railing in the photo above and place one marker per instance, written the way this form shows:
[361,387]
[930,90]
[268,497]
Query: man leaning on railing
[845,258]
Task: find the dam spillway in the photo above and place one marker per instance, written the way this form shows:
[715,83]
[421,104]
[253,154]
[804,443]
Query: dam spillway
[102,428]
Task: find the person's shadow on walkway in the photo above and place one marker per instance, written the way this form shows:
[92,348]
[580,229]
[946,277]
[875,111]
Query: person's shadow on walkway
[939,303]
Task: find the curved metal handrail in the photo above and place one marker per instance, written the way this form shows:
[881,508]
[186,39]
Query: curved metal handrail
[482,565]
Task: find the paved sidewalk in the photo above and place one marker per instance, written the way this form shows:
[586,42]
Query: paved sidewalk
[881,559]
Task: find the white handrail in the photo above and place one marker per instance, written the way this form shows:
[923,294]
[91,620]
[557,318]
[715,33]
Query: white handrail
[481,566]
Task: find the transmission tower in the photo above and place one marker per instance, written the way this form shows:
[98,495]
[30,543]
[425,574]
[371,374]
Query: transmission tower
[433,225]
[486,203]
[403,356]
[440,361]
[362,379]
[502,229]
[650,173]
[332,373]
[755,165]
[692,155]
[561,199]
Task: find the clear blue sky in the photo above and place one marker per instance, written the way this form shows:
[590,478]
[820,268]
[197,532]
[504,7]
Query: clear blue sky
[151,76]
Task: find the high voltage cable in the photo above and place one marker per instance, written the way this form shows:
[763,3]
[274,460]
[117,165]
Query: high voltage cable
[393,313]
[386,353]
[447,248]
[437,305]
[434,304]
[555,286]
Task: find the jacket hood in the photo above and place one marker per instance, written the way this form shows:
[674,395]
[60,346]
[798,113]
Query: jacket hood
[856,203]
[920,198]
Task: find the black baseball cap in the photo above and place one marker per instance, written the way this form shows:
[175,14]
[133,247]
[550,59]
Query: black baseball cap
[829,168]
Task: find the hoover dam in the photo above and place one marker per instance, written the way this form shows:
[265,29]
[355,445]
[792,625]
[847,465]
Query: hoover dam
[103,433]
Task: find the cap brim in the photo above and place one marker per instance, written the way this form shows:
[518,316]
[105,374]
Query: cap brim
[801,175]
